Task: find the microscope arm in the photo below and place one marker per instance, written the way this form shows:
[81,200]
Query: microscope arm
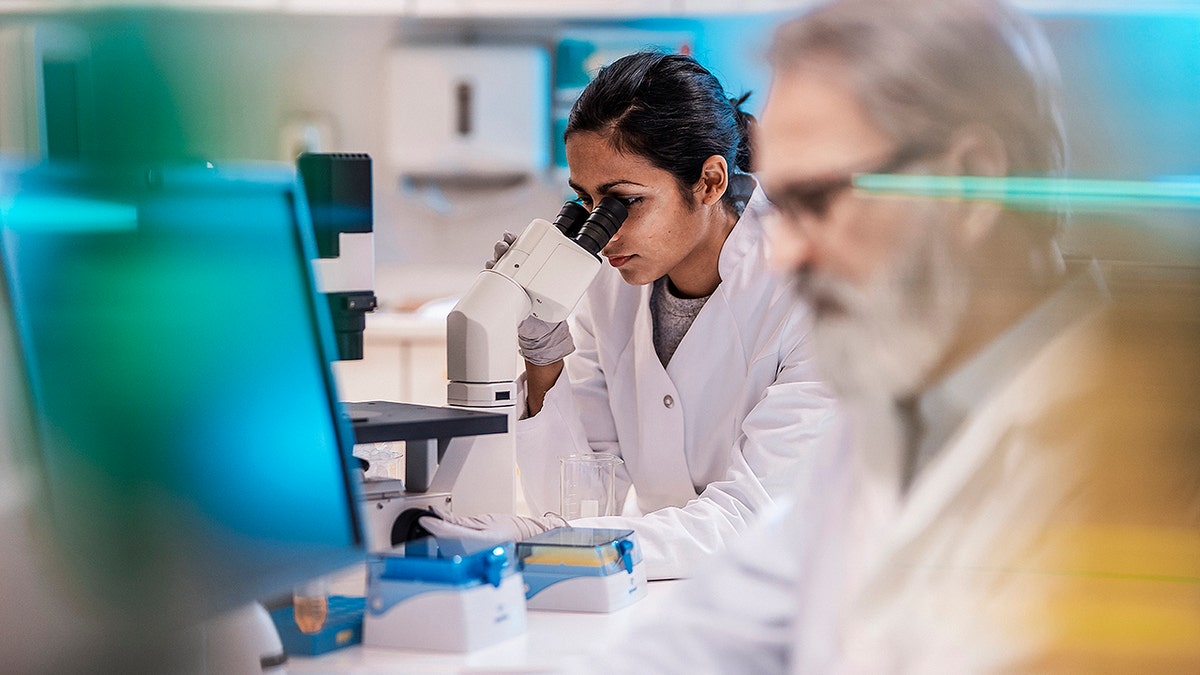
[543,274]
[481,342]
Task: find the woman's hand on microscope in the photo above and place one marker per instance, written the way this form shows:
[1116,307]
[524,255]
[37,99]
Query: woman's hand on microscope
[539,342]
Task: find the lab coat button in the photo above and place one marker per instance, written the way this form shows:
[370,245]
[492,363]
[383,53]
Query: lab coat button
[668,401]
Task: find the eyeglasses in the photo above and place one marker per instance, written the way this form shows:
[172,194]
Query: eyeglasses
[808,200]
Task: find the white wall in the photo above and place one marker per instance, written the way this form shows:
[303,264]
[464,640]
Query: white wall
[241,81]
[224,86]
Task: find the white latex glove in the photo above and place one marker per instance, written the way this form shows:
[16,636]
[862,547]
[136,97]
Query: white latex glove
[490,526]
[540,343]
[501,247]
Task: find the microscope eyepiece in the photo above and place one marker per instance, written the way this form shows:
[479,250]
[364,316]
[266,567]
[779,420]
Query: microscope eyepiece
[570,217]
[601,224]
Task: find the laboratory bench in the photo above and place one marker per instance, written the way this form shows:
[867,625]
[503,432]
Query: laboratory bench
[551,641]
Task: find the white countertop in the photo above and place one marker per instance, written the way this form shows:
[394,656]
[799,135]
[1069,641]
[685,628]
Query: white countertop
[551,640]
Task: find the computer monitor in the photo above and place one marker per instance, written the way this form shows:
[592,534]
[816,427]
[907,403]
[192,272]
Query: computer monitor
[193,453]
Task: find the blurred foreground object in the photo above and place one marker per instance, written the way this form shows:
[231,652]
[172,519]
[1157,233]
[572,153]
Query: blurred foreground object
[190,454]
[1020,485]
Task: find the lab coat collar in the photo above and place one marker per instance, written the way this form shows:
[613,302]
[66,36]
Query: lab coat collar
[943,408]
[746,237]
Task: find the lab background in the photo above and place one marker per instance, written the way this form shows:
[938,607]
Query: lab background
[460,106]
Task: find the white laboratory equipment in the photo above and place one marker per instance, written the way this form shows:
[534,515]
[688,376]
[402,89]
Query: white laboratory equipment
[582,569]
[444,595]
[339,191]
[243,642]
[477,111]
[543,274]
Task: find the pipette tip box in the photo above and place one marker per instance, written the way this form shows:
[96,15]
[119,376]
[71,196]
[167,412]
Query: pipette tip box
[582,569]
[449,595]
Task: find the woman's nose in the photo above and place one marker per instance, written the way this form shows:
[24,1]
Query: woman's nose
[612,243]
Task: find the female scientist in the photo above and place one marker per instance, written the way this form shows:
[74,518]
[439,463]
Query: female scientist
[692,363]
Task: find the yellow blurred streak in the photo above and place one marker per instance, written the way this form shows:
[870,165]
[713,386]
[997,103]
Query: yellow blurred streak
[1167,553]
[1127,620]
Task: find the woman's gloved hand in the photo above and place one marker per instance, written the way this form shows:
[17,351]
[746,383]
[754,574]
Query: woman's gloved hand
[501,247]
[490,526]
[540,343]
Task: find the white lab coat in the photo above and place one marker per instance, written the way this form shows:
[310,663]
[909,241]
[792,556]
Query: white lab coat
[707,442]
[1053,532]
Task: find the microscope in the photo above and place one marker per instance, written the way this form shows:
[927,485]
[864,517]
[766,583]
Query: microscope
[543,274]
[463,454]
[338,188]
[460,457]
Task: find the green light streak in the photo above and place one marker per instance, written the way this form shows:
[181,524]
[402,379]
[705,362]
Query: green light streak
[1040,194]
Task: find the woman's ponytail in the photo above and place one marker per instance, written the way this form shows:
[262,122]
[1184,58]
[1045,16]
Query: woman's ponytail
[745,125]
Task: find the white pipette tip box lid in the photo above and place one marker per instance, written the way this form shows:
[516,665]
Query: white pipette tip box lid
[582,569]
[448,595]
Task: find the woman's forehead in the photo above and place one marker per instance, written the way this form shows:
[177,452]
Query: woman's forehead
[596,164]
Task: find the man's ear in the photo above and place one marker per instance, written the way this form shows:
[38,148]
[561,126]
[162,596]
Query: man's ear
[977,150]
[714,180]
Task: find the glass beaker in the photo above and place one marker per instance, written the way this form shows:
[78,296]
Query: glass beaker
[586,485]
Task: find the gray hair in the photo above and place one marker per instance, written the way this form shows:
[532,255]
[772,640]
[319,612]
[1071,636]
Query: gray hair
[924,68]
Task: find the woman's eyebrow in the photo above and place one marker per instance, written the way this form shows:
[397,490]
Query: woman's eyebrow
[603,189]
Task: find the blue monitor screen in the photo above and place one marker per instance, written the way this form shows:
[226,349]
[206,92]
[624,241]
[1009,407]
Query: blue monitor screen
[193,452]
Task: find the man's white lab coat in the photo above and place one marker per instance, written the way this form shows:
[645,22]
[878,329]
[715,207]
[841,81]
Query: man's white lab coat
[1053,531]
[710,440]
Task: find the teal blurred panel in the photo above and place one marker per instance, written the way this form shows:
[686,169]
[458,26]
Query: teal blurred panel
[66,213]
[194,451]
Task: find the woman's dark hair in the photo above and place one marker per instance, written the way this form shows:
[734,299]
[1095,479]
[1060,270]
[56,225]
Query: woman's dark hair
[670,110]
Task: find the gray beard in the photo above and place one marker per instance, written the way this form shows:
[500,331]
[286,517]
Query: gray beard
[883,340]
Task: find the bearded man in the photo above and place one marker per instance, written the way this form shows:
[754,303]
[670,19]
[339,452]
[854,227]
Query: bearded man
[1018,488]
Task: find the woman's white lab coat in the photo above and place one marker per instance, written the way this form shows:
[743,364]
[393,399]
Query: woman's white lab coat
[710,440]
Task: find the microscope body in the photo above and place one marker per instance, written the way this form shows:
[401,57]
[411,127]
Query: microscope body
[543,274]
